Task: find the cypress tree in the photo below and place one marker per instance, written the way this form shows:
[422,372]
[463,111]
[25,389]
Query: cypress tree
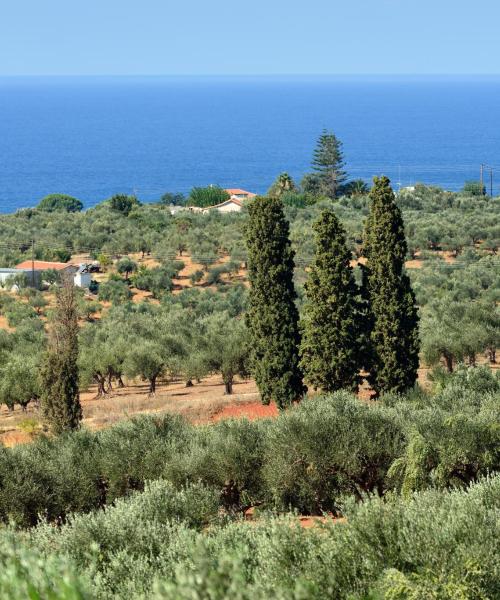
[272,317]
[393,321]
[60,400]
[330,346]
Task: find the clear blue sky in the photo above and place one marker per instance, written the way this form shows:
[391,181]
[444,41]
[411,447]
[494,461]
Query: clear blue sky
[84,37]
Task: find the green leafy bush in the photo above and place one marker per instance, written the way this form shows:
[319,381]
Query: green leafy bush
[61,202]
[207,196]
[26,573]
[114,291]
[433,545]
[307,459]
[327,447]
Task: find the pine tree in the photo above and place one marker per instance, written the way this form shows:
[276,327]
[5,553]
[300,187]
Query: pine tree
[328,162]
[330,345]
[393,334]
[60,401]
[272,317]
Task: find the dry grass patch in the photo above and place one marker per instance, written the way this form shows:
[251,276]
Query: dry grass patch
[198,403]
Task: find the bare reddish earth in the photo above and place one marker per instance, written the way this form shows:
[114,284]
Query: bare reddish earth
[305,521]
[252,411]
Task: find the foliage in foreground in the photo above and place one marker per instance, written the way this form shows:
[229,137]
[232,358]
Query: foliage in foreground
[306,459]
[27,573]
[157,545]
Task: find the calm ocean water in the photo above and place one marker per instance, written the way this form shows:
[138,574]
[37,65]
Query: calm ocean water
[92,137]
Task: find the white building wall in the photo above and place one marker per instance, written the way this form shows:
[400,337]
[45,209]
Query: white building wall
[83,279]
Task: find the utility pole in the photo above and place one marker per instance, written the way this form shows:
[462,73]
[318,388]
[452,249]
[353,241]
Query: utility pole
[33,263]
[483,186]
[481,177]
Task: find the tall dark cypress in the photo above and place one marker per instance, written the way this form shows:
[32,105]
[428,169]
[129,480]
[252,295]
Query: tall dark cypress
[393,321]
[60,400]
[330,331]
[272,316]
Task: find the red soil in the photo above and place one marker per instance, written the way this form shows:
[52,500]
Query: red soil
[305,521]
[309,521]
[252,410]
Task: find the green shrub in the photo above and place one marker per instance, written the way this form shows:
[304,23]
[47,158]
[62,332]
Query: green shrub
[306,459]
[61,202]
[114,291]
[157,280]
[229,451]
[447,450]
[137,539]
[214,275]
[138,450]
[437,541]
[18,312]
[207,196]
[124,204]
[26,573]
[327,447]
[49,478]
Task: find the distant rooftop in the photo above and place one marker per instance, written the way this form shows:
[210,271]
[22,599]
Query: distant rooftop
[239,192]
[226,202]
[42,265]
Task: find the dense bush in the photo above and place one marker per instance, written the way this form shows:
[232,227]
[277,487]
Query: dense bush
[27,573]
[327,447]
[61,202]
[123,203]
[207,196]
[156,280]
[433,545]
[114,291]
[307,459]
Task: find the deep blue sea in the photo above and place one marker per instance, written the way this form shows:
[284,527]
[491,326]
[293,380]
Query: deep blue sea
[92,137]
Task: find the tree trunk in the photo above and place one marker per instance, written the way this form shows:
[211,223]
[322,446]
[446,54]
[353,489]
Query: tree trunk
[448,359]
[492,354]
[101,390]
[472,360]
[189,383]
[228,386]
[152,385]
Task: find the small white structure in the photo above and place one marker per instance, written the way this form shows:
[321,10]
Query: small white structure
[174,209]
[240,194]
[231,205]
[32,278]
[83,277]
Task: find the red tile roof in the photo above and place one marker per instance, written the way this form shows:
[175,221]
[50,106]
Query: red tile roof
[238,192]
[42,265]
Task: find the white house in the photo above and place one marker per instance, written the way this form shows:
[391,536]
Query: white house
[240,194]
[32,278]
[83,277]
[231,205]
